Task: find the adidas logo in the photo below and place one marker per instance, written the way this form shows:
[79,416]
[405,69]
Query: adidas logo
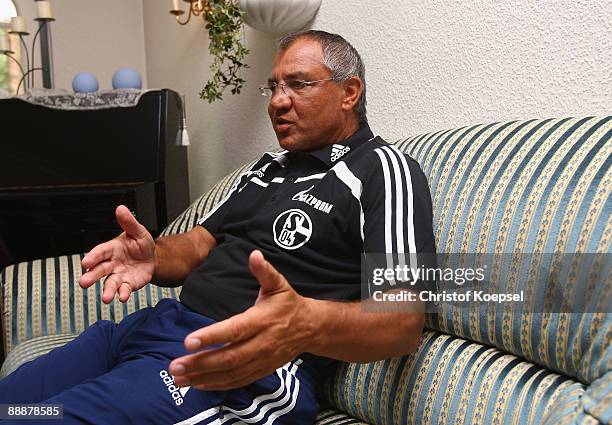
[338,151]
[183,391]
[177,393]
[260,172]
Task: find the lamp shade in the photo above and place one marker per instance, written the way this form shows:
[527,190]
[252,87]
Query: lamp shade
[7,11]
[279,16]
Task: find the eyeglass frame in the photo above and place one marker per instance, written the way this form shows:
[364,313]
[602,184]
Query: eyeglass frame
[272,86]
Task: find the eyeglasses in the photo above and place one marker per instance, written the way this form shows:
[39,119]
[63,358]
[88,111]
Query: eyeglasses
[296,87]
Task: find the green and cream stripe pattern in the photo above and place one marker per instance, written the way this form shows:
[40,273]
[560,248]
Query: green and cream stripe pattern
[448,380]
[530,187]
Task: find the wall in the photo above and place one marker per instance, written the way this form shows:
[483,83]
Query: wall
[93,36]
[431,65]
[224,134]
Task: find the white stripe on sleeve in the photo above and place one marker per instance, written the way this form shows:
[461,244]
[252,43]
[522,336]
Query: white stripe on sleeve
[354,184]
[410,213]
[388,209]
[399,207]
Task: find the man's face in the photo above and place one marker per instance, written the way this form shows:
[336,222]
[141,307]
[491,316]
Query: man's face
[313,117]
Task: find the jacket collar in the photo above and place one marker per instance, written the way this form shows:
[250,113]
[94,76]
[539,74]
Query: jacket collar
[331,154]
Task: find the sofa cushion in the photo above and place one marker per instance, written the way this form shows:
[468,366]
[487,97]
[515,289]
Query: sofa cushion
[538,186]
[448,380]
[43,297]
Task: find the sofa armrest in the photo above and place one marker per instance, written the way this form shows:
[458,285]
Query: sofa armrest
[43,297]
[32,349]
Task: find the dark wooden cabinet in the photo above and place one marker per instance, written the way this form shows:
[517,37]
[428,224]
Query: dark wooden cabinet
[63,172]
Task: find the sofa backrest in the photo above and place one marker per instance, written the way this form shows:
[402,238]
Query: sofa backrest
[539,189]
[527,187]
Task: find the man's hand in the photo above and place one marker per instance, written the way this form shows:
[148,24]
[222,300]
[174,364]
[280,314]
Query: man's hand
[128,261]
[253,344]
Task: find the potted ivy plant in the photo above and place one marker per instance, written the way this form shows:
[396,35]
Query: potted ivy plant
[224,22]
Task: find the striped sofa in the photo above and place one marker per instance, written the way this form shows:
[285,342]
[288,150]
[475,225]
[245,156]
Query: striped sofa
[535,186]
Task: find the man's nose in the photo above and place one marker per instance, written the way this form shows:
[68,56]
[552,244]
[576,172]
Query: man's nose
[279,99]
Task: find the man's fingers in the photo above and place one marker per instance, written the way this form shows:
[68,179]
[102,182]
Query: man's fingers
[225,359]
[223,380]
[97,273]
[111,284]
[270,279]
[219,382]
[128,222]
[234,329]
[243,380]
[124,292]
[98,254]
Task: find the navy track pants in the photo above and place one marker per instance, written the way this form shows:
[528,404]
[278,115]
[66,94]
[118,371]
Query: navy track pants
[118,374]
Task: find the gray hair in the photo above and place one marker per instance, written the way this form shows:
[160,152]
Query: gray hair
[340,57]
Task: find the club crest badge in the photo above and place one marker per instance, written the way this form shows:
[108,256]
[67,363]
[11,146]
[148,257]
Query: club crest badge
[292,229]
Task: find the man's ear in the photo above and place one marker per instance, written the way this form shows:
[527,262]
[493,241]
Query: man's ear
[353,87]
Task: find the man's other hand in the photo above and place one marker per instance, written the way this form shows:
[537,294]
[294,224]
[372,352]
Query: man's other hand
[250,345]
[128,261]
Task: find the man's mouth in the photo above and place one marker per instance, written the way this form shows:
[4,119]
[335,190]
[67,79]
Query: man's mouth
[281,124]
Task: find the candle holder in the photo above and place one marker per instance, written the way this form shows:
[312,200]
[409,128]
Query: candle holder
[27,72]
[196,8]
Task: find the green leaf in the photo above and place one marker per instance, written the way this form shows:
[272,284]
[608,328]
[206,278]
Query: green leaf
[225,26]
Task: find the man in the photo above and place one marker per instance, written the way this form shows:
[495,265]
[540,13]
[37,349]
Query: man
[270,276]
